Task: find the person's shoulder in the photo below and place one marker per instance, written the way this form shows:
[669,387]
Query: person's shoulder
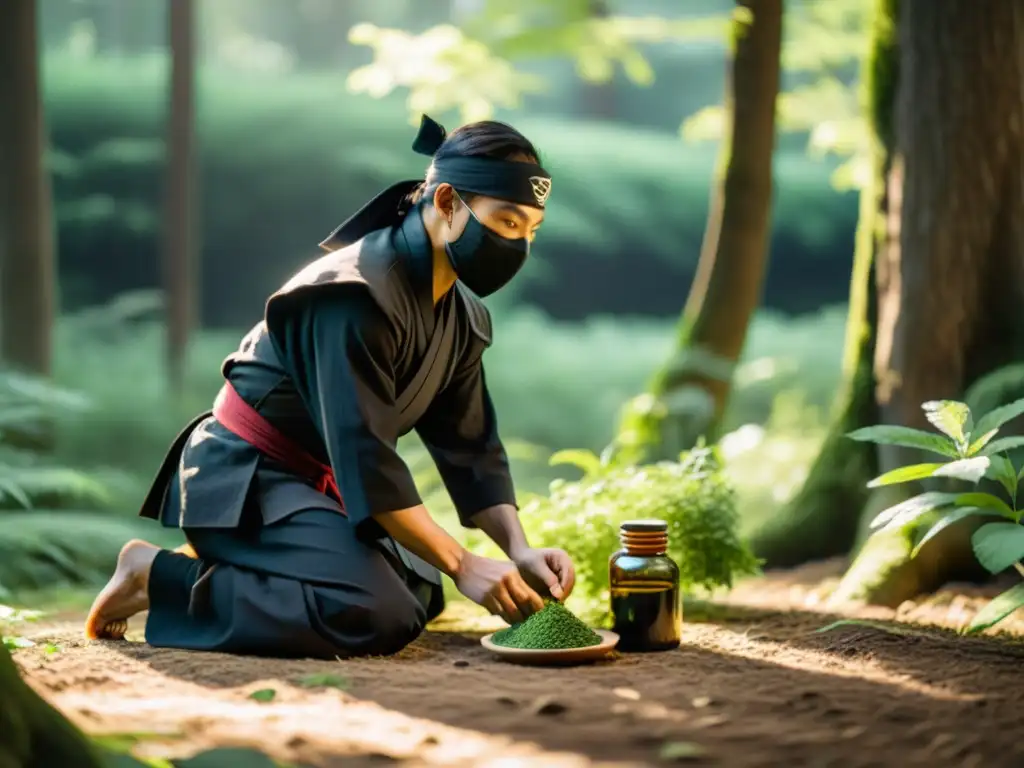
[477,315]
[366,268]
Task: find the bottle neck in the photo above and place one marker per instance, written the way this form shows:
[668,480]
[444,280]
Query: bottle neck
[644,544]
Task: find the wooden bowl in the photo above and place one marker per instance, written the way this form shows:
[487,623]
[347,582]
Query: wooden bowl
[545,657]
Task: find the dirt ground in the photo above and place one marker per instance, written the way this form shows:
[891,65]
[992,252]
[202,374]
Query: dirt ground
[754,684]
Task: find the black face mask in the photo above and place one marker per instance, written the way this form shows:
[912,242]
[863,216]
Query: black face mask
[484,260]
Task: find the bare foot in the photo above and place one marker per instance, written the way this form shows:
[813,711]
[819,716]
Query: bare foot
[125,595]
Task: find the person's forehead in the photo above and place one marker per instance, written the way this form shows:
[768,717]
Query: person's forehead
[523,211]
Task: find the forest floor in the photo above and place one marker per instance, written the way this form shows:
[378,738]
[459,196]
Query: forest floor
[754,684]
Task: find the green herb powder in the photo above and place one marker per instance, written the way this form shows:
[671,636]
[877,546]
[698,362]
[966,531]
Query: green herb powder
[553,628]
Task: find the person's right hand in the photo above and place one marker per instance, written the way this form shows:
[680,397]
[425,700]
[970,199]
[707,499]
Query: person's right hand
[498,586]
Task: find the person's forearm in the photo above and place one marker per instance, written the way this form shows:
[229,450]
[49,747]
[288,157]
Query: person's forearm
[501,524]
[416,530]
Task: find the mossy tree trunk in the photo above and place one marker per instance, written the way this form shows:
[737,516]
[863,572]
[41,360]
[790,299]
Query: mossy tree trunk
[691,392]
[823,519]
[27,249]
[180,204]
[35,735]
[949,294]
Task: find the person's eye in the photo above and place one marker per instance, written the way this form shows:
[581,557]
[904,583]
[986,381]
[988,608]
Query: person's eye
[511,224]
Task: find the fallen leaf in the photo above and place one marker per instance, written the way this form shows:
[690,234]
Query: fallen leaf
[17,643]
[324,681]
[264,694]
[681,750]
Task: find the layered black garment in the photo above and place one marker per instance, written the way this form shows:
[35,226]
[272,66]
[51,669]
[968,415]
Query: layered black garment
[351,354]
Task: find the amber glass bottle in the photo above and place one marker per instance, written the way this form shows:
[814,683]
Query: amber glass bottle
[646,606]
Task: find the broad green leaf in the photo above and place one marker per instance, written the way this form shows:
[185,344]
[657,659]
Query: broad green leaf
[949,417]
[1001,470]
[905,474]
[1003,444]
[582,459]
[907,511]
[906,437]
[998,609]
[998,545]
[947,520]
[1001,415]
[981,442]
[985,501]
[969,470]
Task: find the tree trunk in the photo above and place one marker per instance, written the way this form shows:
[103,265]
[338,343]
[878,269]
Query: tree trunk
[27,279]
[692,390]
[180,204]
[823,519]
[949,295]
[35,735]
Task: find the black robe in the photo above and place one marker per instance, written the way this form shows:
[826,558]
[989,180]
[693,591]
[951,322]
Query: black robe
[351,355]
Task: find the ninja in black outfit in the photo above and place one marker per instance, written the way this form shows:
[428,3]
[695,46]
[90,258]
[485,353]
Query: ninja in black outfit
[306,534]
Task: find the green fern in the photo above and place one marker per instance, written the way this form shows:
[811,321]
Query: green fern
[27,477]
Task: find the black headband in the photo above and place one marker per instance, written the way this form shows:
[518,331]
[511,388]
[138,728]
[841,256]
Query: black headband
[523,183]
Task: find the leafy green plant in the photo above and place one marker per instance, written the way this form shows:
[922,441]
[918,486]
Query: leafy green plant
[971,452]
[692,495]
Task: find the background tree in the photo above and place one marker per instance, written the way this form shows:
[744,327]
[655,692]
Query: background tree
[947,272]
[27,248]
[180,230]
[689,395]
[823,518]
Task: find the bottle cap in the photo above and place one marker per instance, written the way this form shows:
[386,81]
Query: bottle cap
[644,526]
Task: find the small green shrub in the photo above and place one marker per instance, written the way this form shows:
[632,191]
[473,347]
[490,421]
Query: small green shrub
[692,495]
[971,453]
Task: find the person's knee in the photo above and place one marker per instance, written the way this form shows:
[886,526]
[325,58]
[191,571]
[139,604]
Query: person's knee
[396,620]
[377,624]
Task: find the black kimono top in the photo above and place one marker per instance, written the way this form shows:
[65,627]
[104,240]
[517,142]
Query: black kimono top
[351,355]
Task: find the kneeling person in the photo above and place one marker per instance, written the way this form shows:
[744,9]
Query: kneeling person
[306,535]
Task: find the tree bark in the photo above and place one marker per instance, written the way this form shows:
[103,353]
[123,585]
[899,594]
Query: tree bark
[949,294]
[180,204]
[692,390]
[823,519]
[27,248]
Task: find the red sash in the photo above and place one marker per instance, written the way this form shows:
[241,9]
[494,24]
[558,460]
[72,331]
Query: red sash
[241,419]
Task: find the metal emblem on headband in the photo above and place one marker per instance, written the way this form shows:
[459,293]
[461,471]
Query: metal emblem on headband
[541,189]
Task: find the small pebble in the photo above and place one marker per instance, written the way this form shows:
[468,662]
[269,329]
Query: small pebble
[460,663]
[546,706]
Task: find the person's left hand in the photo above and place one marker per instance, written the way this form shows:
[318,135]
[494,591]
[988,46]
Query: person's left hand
[547,570]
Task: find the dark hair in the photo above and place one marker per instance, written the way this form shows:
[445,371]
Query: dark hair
[487,138]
